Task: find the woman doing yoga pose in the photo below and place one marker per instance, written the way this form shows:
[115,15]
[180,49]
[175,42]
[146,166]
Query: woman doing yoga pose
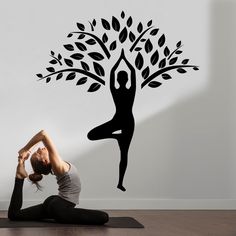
[123,120]
[59,207]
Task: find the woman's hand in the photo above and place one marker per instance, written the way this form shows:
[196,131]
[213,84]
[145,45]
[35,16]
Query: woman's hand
[24,154]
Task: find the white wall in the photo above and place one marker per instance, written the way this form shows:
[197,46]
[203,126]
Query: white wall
[182,154]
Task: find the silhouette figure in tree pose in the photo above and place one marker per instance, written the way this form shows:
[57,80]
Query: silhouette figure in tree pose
[121,126]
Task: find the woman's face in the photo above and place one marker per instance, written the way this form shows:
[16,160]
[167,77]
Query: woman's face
[41,155]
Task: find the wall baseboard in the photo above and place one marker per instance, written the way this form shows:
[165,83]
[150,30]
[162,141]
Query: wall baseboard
[149,204]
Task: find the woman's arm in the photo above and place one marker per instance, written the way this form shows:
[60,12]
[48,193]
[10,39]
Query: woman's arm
[58,165]
[33,141]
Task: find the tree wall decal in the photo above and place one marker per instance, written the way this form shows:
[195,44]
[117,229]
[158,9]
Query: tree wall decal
[154,62]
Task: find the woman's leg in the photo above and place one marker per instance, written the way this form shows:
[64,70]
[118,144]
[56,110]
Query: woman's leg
[16,213]
[87,216]
[64,212]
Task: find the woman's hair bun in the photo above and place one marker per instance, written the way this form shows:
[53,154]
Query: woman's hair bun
[34,178]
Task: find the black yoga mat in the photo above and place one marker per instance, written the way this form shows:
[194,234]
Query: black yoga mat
[114,222]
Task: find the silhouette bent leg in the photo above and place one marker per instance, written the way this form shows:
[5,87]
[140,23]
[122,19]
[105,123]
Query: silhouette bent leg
[107,130]
[104,131]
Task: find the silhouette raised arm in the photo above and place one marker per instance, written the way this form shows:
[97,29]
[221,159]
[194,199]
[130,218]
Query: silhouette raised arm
[114,68]
[133,76]
[112,76]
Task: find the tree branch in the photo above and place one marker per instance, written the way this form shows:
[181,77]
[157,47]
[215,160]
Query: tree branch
[103,46]
[159,72]
[138,39]
[91,75]
[174,52]
[56,59]
[92,28]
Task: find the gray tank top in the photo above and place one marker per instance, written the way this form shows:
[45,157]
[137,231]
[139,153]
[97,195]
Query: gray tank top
[69,185]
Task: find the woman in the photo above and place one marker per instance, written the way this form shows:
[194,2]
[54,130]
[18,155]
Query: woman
[123,120]
[59,207]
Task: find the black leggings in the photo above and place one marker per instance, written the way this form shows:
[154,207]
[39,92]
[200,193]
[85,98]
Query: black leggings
[54,207]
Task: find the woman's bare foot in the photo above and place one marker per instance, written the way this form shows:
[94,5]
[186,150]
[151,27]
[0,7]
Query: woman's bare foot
[20,170]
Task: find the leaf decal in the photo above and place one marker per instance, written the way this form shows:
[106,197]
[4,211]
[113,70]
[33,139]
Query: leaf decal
[81,36]
[52,53]
[166,76]
[185,61]
[148,46]
[161,40]
[106,24]
[71,76]
[162,63]
[81,46]
[53,62]
[149,23]
[84,65]
[113,46]
[131,37]
[181,70]
[68,62]
[140,27]
[91,42]
[48,79]
[154,84]
[94,22]
[59,76]
[178,44]
[59,56]
[80,26]
[77,56]
[154,32]
[98,69]
[50,69]
[40,75]
[82,80]
[129,21]
[123,35]
[96,56]
[154,57]
[115,24]
[94,87]
[138,49]
[143,40]
[173,60]
[69,47]
[195,68]
[139,61]
[145,72]
[69,35]
[166,51]
[104,38]
[122,15]
[178,52]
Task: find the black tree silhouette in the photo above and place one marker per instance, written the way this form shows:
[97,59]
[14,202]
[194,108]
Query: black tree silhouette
[157,63]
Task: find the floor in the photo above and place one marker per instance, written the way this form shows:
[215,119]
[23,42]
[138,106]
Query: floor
[156,222]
